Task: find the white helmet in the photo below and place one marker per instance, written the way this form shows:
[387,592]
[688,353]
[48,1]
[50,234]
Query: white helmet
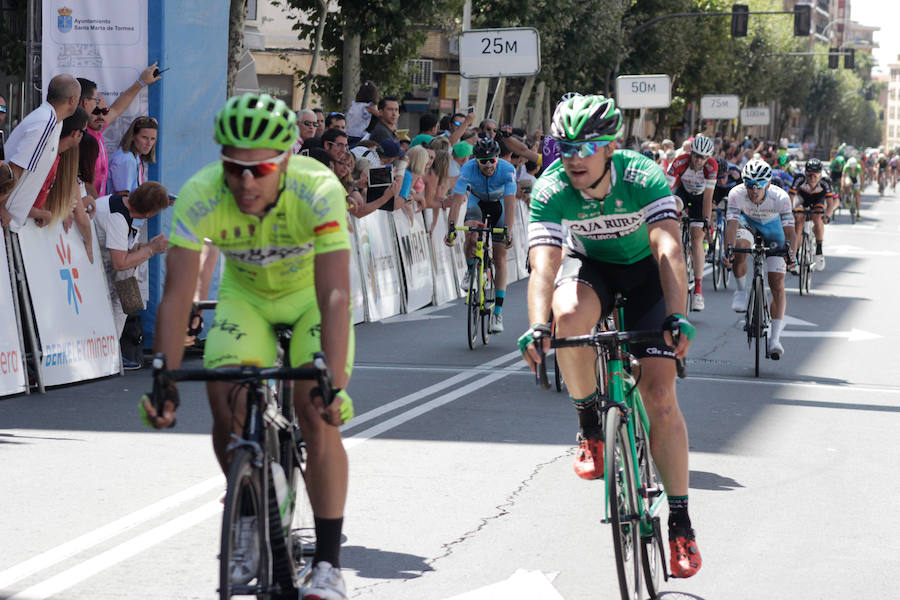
[757,170]
[702,145]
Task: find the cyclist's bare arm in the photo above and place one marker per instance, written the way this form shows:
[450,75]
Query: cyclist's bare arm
[665,243]
[509,213]
[182,268]
[545,262]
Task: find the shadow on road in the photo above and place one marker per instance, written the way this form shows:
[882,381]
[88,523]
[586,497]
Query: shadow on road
[373,563]
[704,480]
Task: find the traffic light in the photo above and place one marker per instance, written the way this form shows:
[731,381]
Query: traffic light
[834,58]
[802,19]
[848,58]
[740,15]
[869,94]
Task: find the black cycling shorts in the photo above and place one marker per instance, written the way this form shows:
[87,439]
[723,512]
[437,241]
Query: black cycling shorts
[645,305]
[489,213]
[692,203]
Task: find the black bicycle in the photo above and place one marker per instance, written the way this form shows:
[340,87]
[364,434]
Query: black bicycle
[688,259]
[721,273]
[757,318]
[266,492]
[806,257]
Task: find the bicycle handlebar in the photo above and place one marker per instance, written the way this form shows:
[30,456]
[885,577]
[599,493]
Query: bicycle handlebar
[478,228]
[783,251]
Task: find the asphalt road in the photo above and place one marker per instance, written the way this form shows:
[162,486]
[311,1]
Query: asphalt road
[461,478]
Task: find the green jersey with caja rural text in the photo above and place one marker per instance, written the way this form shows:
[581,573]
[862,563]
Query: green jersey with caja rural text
[272,256]
[612,230]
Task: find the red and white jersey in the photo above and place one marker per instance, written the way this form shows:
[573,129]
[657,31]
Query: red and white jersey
[693,182]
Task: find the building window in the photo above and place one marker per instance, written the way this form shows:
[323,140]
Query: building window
[250,14]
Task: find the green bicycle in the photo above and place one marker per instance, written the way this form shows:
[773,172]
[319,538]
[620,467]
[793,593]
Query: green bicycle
[480,282]
[634,491]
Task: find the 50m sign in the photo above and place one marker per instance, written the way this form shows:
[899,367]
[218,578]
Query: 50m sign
[509,52]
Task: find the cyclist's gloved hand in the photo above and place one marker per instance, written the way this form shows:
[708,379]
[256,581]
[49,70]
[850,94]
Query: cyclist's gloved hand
[508,241]
[526,343]
[677,322]
[157,408]
[450,238]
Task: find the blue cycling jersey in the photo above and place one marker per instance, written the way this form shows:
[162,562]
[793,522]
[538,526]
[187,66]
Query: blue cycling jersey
[486,189]
[782,179]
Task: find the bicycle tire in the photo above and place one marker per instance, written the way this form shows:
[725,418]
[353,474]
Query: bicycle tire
[803,267]
[488,302]
[810,261]
[621,495]
[473,310]
[653,553]
[715,252]
[689,267]
[557,374]
[758,319]
[244,487]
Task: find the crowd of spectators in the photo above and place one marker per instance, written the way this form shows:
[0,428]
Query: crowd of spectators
[56,169]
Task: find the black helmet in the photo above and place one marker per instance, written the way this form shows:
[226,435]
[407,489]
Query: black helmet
[649,153]
[486,147]
[814,165]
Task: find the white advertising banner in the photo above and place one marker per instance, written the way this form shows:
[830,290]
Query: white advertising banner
[445,288]
[415,259]
[12,368]
[357,297]
[71,305]
[380,266]
[99,40]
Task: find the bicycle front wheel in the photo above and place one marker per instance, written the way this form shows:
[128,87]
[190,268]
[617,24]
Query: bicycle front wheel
[653,553]
[716,252]
[803,267]
[621,495]
[473,310]
[488,302]
[242,531]
[758,324]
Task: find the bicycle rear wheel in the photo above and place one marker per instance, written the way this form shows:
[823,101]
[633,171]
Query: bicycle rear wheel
[716,253]
[243,500]
[689,265]
[810,261]
[473,310]
[621,495]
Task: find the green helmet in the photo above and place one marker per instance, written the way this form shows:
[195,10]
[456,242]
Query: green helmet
[586,119]
[256,121]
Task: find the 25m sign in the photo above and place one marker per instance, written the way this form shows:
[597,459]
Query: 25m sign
[509,52]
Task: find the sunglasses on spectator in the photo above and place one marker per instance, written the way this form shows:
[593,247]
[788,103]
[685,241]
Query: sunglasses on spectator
[339,145]
[487,161]
[310,123]
[755,184]
[100,111]
[584,149]
[3,109]
[145,122]
[257,168]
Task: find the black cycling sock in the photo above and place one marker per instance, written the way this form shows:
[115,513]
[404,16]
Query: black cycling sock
[818,248]
[588,417]
[678,512]
[328,541]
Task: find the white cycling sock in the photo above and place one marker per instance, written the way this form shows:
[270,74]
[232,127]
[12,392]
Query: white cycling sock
[739,282]
[776,329]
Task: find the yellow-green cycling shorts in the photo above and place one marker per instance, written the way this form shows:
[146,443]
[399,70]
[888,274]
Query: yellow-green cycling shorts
[243,332]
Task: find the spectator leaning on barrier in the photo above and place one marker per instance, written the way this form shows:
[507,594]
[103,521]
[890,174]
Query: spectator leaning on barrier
[118,239]
[33,145]
[101,116]
[128,166]
[386,127]
[71,134]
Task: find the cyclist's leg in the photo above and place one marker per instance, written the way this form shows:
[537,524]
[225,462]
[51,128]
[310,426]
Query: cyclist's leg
[493,217]
[239,334]
[818,226]
[327,469]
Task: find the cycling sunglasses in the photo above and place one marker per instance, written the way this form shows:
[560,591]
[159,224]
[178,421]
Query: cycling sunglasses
[257,169]
[487,161]
[755,184]
[583,149]
[100,111]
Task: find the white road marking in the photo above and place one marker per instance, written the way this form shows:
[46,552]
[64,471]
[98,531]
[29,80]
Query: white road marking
[123,551]
[60,553]
[523,585]
[854,335]
[789,320]
[809,384]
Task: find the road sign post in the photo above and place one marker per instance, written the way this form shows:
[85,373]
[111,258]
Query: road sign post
[509,52]
[643,91]
[719,107]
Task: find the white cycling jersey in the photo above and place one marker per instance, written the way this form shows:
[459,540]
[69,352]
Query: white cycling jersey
[777,205]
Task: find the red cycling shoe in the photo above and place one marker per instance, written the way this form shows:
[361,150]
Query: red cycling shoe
[685,555]
[589,458]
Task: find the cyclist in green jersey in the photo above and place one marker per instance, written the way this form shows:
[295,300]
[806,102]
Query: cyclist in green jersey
[280,220]
[623,237]
[853,179]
